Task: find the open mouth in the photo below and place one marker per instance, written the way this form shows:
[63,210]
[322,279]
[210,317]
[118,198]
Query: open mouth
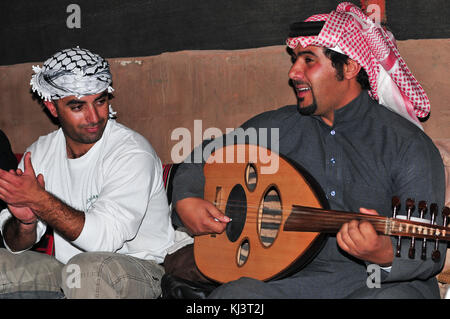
[302,91]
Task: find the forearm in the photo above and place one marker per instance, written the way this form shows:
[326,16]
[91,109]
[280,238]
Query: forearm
[19,236]
[27,197]
[67,221]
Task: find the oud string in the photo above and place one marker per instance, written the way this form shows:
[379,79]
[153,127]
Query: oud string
[259,213]
[262,215]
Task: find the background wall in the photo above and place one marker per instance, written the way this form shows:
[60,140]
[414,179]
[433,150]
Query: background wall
[177,61]
[34,30]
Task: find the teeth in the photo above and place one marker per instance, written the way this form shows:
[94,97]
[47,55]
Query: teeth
[302,89]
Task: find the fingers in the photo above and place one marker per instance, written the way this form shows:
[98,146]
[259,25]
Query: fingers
[368,211]
[201,216]
[347,235]
[356,237]
[28,167]
[8,176]
[41,180]
[216,214]
[213,221]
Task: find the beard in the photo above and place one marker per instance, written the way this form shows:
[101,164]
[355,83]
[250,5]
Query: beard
[78,135]
[304,110]
[307,110]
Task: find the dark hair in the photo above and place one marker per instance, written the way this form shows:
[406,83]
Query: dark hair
[338,60]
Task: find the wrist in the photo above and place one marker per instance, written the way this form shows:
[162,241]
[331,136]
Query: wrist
[28,222]
[39,205]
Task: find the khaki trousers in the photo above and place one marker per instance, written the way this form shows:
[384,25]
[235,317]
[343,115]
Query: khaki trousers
[87,275]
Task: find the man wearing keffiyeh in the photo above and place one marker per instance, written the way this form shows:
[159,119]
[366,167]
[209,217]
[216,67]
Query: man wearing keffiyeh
[96,183]
[355,130]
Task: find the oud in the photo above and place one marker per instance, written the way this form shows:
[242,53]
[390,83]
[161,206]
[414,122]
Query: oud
[279,221]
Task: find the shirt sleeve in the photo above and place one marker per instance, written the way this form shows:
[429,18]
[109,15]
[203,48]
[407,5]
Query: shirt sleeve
[418,174]
[5,214]
[189,179]
[118,212]
[40,229]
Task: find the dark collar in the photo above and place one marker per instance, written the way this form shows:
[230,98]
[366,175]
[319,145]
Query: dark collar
[350,112]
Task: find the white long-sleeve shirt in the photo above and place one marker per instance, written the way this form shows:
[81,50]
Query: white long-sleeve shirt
[117,184]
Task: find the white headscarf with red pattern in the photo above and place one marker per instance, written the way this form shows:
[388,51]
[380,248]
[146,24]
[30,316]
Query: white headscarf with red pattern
[349,31]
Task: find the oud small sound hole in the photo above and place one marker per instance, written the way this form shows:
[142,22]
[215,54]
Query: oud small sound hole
[269,216]
[251,177]
[243,252]
[236,209]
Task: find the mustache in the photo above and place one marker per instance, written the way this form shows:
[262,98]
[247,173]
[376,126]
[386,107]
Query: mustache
[99,123]
[297,83]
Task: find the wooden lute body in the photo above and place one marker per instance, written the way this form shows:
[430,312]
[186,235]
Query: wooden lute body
[279,216]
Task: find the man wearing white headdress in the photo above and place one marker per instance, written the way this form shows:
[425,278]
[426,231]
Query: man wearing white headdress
[97,183]
[355,129]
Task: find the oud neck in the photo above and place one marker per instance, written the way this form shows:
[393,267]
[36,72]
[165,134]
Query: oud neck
[309,219]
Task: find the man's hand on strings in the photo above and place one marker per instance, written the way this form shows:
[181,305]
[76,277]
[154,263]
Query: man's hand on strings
[200,216]
[359,239]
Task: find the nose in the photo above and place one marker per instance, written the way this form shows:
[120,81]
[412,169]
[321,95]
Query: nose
[296,72]
[92,115]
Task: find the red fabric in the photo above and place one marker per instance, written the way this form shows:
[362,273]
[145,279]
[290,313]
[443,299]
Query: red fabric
[18,156]
[166,173]
[375,49]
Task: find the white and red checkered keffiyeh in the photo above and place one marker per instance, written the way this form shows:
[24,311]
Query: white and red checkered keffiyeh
[349,31]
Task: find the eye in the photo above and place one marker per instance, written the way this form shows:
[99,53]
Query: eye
[101,102]
[76,108]
[308,60]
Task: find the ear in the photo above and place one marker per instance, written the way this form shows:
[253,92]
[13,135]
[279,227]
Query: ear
[51,107]
[351,69]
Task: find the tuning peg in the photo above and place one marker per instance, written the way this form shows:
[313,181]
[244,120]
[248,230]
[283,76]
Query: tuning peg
[436,255]
[409,210]
[423,211]
[409,207]
[433,212]
[422,208]
[445,214]
[395,209]
[395,206]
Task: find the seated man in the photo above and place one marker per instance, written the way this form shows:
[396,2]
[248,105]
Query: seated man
[345,70]
[97,183]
